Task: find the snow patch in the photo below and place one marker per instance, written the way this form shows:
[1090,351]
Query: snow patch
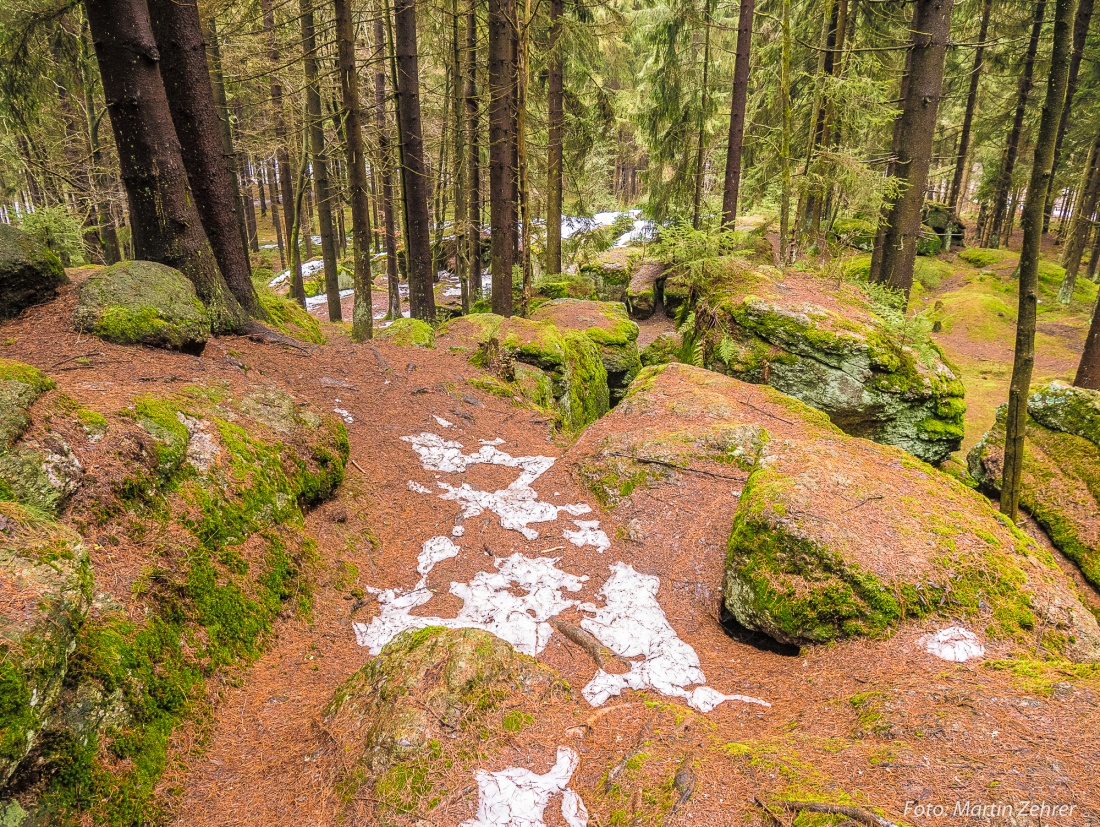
[517,797]
[588,534]
[488,603]
[632,623]
[434,550]
[317,301]
[954,644]
[418,488]
[443,423]
[344,415]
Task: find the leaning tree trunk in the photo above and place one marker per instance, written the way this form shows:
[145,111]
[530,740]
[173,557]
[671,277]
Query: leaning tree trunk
[186,76]
[385,167]
[971,102]
[473,155]
[555,119]
[1012,144]
[321,187]
[931,29]
[502,129]
[362,316]
[1088,371]
[164,222]
[737,113]
[1081,22]
[1032,222]
[1082,222]
[414,172]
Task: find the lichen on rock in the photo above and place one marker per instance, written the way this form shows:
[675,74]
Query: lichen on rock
[142,303]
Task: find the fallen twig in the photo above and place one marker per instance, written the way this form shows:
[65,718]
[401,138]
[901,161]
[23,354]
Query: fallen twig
[78,356]
[766,413]
[600,654]
[652,461]
[357,467]
[768,811]
[259,333]
[684,783]
[855,813]
[863,502]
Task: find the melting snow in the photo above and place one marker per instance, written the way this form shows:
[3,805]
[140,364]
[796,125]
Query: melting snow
[344,415]
[434,550]
[954,644]
[517,797]
[589,534]
[418,488]
[443,423]
[632,623]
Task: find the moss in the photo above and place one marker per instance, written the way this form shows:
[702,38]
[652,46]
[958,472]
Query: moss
[409,333]
[289,317]
[984,257]
[38,381]
[30,273]
[1042,677]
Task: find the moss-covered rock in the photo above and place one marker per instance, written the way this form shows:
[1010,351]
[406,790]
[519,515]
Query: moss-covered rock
[643,292]
[424,704]
[875,374]
[574,381]
[662,350]
[853,232]
[1060,486]
[609,328]
[143,303]
[47,591]
[20,386]
[832,536]
[29,272]
[408,333]
[289,317]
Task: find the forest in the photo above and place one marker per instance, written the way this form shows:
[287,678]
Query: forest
[425,412]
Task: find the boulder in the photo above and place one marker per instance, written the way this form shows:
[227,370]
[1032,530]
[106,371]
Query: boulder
[143,303]
[1060,486]
[404,722]
[47,590]
[408,333]
[643,294]
[609,328]
[20,386]
[832,536]
[559,371]
[825,342]
[661,350]
[29,272]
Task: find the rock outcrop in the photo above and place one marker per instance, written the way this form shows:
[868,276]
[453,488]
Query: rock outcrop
[824,342]
[1060,487]
[143,303]
[609,328]
[30,273]
[833,536]
[558,371]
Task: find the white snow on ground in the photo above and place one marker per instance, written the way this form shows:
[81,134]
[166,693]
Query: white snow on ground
[488,603]
[418,488]
[317,301]
[954,644]
[344,415]
[588,534]
[632,623]
[517,797]
[443,423]
[516,601]
[309,268]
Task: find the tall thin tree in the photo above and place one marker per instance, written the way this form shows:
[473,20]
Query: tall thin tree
[962,153]
[384,166]
[737,113]
[458,160]
[473,151]
[555,119]
[502,160]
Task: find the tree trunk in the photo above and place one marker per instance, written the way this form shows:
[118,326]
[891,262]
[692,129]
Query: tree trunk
[184,70]
[385,164]
[1081,22]
[273,199]
[785,137]
[1024,357]
[522,191]
[502,189]
[1012,144]
[737,113]
[473,169]
[261,182]
[458,162]
[701,125]
[165,224]
[1082,222]
[321,187]
[555,120]
[971,102]
[107,232]
[362,317]
[414,172]
[931,28]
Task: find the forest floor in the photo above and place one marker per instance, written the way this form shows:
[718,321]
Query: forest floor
[876,723]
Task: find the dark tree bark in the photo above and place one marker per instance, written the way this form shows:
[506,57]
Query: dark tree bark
[1081,22]
[458,162]
[186,76]
[165,224]
[362,317]
[282,155]
[737,113]
[385,165]
[502,160]
[1032,222]
[555,119]
[1082,222]
[971,102]
[815,196]
[261,184]
[273,198]
[473,155]
[1088,371]
[931,28]
[701,124]
[107,232]
[414,171]
[1003,181]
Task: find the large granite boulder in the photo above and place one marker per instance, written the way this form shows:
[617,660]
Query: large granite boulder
[825,342]
[29,272]
[1060,486]
[46,587]
[559,371]
[143,303]
[832,536]
[609,328]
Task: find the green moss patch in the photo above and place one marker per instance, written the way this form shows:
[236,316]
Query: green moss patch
[289,317]
[408,333]
[30,273]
